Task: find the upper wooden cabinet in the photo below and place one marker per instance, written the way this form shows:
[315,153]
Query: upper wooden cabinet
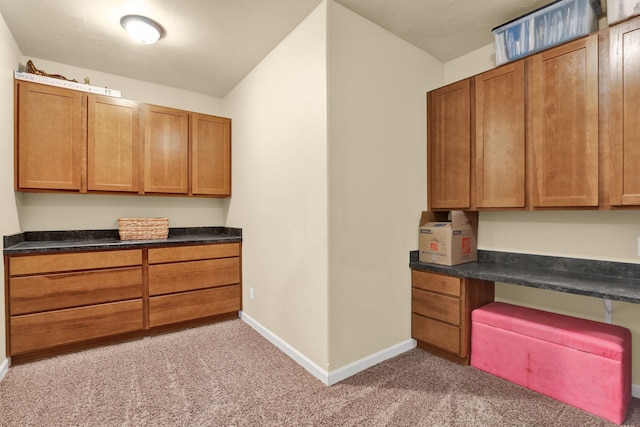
[449,146]
[112,144]
[166,150]
[563,108]
[481,166]
[67,140]
[186,153]
[534,127]
[49,137]
[624,91]
[500,137]
[210,155]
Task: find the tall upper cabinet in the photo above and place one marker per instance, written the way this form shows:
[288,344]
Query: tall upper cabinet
[210,155]
[563,111]
[449,147]
[112,144]
[624,92]
[49,142]
[166,150]
[500,137]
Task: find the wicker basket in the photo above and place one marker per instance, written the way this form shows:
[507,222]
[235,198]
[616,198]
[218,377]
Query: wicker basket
[143,228]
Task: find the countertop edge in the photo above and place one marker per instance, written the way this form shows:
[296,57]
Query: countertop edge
[42,242]
[622,287]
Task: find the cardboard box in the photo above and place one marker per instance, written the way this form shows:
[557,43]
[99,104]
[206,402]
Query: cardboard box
[448,238]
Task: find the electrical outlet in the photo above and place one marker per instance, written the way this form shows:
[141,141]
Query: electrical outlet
[251,294]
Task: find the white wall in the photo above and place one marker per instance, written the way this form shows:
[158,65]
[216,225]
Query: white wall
[377,181]
[9,57]
[39,211]
[279,198]
[329,265]
[600,235]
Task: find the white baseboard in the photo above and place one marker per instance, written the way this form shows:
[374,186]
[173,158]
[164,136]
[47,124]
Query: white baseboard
[328,378]
[635,390]
[4,367]
[369,361]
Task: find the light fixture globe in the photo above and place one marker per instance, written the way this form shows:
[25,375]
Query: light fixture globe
[142,29]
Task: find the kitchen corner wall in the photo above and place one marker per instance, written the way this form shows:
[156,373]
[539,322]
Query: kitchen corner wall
[279,198]
[377,181]
[9,57]
[329,171]
[602,235]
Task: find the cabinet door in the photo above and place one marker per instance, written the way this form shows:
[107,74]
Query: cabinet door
[563,96]
[112,144]
[210,155]
[49,137]
[166,150]
[449,147]
[625,104]
[500,137]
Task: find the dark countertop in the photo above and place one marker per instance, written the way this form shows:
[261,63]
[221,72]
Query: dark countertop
[37,242]
[601,279]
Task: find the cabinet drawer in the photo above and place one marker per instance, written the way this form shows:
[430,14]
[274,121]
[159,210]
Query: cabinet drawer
[187,276]
[435,282]
[51,263]
[192,253]
[44,330]
[169,309]
[436,306]
[31,294]
[438,334]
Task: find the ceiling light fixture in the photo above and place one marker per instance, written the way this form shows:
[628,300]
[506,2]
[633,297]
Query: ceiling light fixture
[142,29]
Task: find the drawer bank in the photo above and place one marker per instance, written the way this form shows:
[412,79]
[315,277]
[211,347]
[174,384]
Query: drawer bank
[65,294]
[580,362]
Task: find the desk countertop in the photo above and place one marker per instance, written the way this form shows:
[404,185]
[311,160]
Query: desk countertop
[601,279]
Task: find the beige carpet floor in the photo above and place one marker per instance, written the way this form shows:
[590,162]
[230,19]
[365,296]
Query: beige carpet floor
[226,374]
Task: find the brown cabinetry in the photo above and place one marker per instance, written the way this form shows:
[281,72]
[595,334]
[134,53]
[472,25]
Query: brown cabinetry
[186,153]
[563,109]
[166,150]
[57,302]
[62,299]
[210,155]
[194,281]
[441,308]
[624,90]
[49,137]
[449,147]
[500,138]
[112,144]
[534,127]
[67,140]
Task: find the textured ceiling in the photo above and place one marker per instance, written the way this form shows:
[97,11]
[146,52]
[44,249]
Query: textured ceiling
[212,44]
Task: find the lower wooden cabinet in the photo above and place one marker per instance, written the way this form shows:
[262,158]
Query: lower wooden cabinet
[441,308]
[193,282]
[58,327]
[179,307]
[65,301]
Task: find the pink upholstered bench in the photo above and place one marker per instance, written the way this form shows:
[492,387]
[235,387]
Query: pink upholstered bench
[580,362]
